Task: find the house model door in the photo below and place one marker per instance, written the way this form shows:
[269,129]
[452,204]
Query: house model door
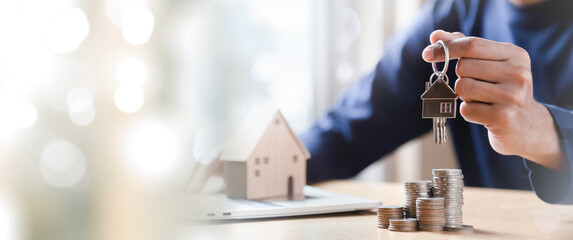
[290,185]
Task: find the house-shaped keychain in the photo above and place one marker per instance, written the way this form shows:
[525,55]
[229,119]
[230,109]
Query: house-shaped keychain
[265,160]
[439,100]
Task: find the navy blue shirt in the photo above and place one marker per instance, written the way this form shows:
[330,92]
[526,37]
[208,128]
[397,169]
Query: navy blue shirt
[381,111]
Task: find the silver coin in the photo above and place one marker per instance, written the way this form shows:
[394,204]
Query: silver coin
[459,228]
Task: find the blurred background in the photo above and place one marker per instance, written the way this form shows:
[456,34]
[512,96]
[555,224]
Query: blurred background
[107,106]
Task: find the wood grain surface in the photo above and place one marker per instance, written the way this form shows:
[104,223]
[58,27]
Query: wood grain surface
[494,213]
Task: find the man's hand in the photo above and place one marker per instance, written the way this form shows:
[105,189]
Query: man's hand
[203,171]
[495,84]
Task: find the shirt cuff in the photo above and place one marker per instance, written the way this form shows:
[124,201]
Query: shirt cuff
[556,186]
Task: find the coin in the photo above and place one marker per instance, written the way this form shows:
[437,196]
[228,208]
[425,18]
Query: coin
[428,205]
[387,212]
[462,228]
[403,224]
[448,184]
[430,213]
[413,190]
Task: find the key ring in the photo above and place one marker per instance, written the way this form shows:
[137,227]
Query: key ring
[447,60]
[444,77]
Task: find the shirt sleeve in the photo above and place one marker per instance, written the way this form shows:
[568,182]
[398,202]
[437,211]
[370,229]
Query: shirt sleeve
[382,110]
[552,186]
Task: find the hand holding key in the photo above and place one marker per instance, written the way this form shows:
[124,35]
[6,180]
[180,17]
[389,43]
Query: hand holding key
[495,84]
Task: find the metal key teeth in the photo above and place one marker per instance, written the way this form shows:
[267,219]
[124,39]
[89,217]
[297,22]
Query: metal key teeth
[440,134]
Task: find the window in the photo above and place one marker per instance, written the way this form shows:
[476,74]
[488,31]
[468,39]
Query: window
[277,121]
[295,158]
[445,107]
[257,173]
[257,161]
[266,160]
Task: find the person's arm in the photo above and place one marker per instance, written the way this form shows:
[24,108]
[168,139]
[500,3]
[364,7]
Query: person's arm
[554,186]
[495,84]
[382,110]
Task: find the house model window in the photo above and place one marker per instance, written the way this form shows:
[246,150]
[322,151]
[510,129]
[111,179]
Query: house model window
[257,173]
[295,158]
[257,161]
[266,160]
[445,107]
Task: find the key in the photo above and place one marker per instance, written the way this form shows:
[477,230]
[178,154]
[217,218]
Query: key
[439,101]
[440,134]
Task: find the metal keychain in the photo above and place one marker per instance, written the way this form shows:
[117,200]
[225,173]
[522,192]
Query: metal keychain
[439,101]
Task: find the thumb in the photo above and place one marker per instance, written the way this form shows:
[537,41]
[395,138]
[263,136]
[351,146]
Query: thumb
[445,36]
[428,54]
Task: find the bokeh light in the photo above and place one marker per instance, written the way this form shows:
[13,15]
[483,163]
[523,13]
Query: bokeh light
[24,56]
[131,71]
[67,31]
[129,99]
[62,164]
[114,9]
[79,97]
[80,104]
[153,151]
[23,114]
[137,25]
[9,219]
[15,115]
[82,116]
[69,74]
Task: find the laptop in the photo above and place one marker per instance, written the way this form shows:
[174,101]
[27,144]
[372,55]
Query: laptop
[218,206]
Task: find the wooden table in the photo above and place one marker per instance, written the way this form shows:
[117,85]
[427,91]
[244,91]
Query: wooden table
[495,214]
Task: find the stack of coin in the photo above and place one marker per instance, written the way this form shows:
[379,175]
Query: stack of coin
[403,224]
[385,213]
[448,184]
[413,190]
[430,213]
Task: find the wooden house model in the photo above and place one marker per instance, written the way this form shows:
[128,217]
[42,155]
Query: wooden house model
[265,160]
[439,101]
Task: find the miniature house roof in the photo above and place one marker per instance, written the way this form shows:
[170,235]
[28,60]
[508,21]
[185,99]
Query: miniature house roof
[439,90]
[250,133]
